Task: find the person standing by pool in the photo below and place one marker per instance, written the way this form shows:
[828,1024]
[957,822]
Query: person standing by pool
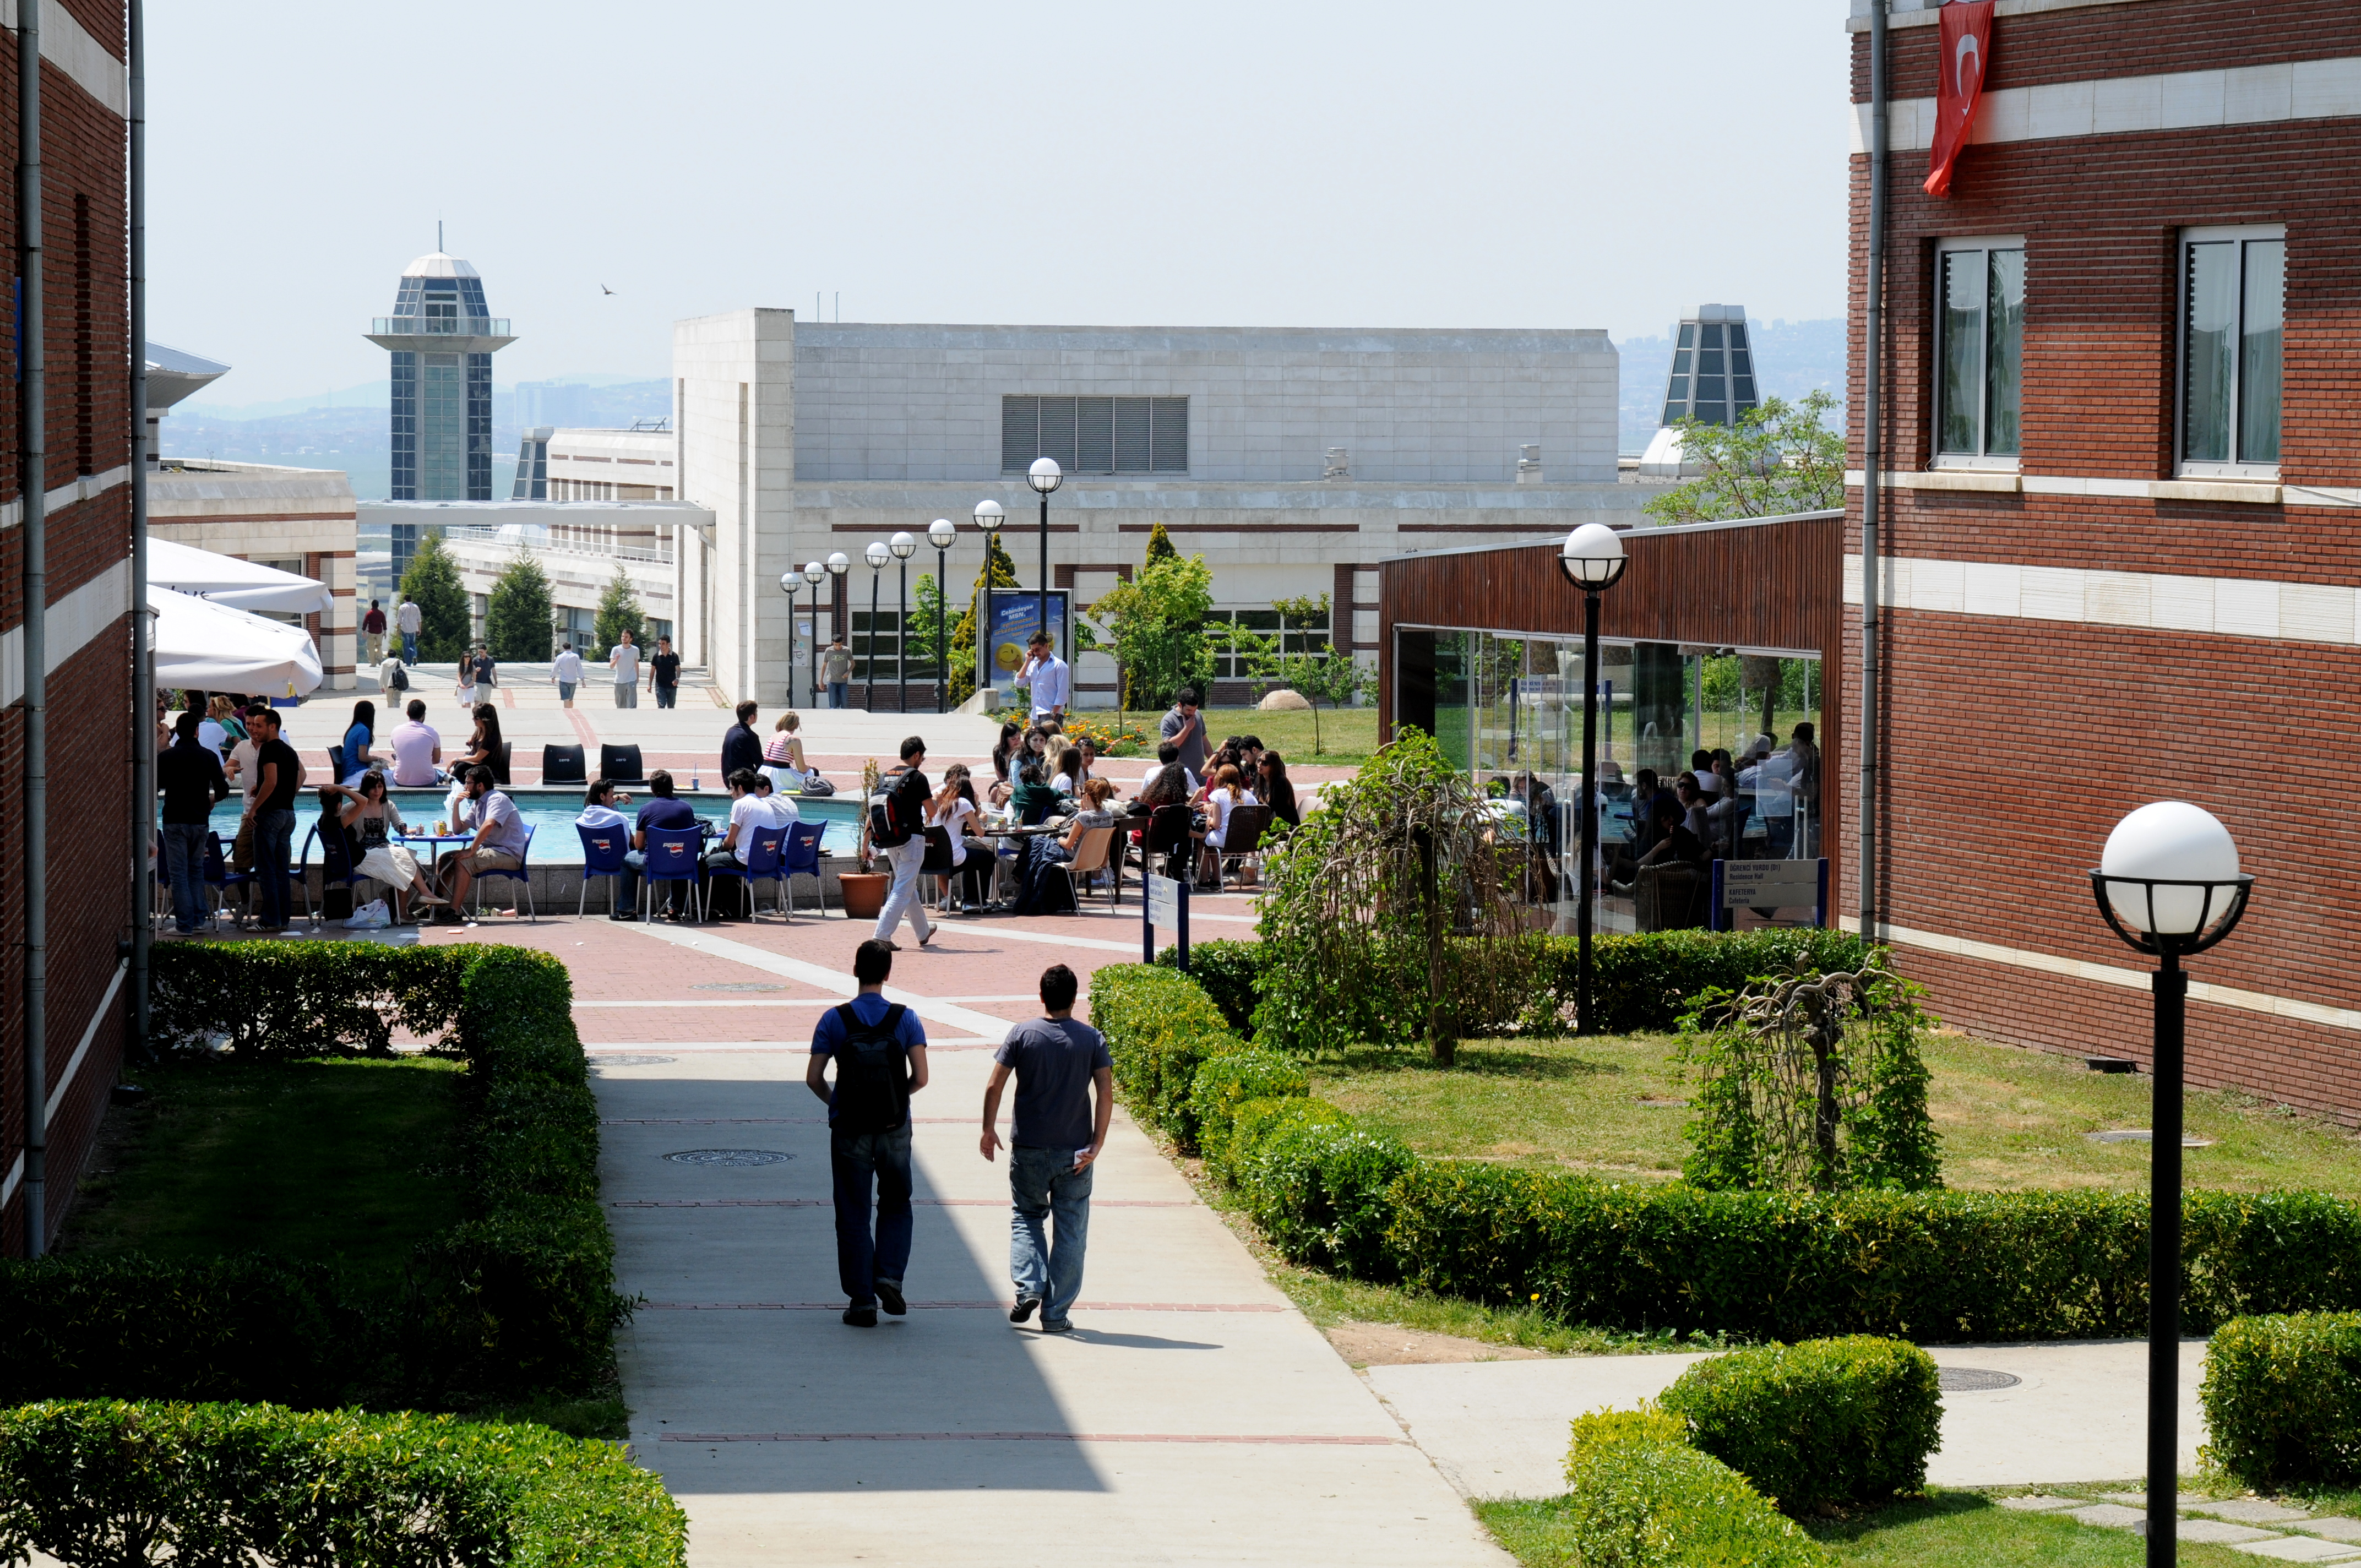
[566,670]
[191,776]
[271,809]
[623,663]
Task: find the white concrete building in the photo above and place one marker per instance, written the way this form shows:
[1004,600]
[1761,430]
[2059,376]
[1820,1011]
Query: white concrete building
[299,519]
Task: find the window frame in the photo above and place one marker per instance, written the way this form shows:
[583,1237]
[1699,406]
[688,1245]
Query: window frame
[1985,461]
[2184,467]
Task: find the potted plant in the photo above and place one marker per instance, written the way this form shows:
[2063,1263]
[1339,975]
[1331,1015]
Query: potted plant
[863,891]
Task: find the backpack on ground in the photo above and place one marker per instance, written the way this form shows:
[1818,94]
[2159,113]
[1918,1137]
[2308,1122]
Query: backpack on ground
[872,1073]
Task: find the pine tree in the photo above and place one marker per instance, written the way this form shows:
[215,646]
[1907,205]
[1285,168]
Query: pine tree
[619,611]
[432,582]
[1159,546]
[999,572]
[517,622]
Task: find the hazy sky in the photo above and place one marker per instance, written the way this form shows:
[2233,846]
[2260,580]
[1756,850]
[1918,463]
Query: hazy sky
[1571,164]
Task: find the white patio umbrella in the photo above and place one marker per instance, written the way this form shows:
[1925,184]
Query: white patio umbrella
[208,645]
[225,579]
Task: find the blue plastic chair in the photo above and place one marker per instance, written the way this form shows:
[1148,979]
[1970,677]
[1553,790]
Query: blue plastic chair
[521,876]
[766,860]
[603,849]
[674,854]
[803,856]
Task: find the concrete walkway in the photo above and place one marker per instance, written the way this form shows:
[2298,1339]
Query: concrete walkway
[1192,1416]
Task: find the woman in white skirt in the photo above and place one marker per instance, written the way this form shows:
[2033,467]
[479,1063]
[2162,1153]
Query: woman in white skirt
[372,818]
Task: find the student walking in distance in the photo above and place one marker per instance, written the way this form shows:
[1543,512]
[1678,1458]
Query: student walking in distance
[623,660]
[373,628]
[880,1052]
[566,670]
[409,623]
[898,825]
[836,672]
[663,673]
[1060,1066]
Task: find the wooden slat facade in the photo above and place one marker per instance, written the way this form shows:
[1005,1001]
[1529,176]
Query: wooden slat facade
[1772,583]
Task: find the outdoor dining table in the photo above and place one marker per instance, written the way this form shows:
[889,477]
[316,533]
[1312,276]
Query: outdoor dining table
[434,842]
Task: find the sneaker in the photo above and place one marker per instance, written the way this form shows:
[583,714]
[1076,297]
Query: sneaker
[889,1296]
[1024,1309]
[1057,1326]
[860,1317]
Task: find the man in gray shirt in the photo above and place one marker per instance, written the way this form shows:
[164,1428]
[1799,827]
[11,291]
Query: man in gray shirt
[1060,1066]
[1185,728]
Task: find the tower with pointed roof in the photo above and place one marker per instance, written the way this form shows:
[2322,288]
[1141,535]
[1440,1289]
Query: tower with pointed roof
[442,336]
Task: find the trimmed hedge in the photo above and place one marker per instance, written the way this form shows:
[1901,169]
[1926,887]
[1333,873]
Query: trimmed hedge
[1639,1496]
[1161,1027]
[112,1482]
[518,1298]
[2282,1397]
[1321,1190]
[1230,972]
[292,1000]
[1829,1420]
[1225,1085]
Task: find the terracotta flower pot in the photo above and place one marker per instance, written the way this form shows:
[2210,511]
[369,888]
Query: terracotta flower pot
[863,893]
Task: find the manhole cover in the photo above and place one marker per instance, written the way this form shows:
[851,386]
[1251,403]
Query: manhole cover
[729,1157]
[736,985]
[1973,1380]
[2144,1135]
[626,1060]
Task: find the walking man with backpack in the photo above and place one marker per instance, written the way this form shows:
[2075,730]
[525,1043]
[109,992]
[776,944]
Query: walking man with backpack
[898,824]
[880,1051]
[1060,1066]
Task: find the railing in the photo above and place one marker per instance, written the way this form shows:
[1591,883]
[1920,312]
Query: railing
[481,534]
[439,326]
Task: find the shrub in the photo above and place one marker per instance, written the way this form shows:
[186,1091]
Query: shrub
[1230,972]
[2282,1398]
[1640,1498]
[1829,1420]
[1225,1084]
[302,999]
[110,1482]
[1161,1027]
[1644,981]
[1256,1122]
[1320,1192]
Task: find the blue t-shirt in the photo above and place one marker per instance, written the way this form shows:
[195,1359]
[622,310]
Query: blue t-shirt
[356,741]
[1054,1060]
[869,1007]
[667,811]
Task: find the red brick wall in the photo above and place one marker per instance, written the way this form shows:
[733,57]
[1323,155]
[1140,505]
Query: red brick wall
[2097,41]
[92,891]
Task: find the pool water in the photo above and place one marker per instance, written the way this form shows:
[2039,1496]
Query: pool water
[551,814]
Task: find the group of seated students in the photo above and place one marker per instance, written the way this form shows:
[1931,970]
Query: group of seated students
[364,820]
[1704,814]
[754,805]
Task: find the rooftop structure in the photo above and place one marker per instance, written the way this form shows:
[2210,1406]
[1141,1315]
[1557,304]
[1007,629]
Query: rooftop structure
[443,337]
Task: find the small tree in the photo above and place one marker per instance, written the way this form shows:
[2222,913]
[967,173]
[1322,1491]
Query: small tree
[518,619]
[432,582]
[997,571]
[1327,675]
[619,611]
[1779,457]
[1159,546]
[1157,623]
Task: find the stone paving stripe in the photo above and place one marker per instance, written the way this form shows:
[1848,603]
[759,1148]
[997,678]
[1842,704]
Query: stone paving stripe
[957,928]
[2037,1503]
[916,1202]
[1282,1440]
[2336,1527]
[838,1306]
[2111,1516]
[2220,1533]
[2299,1549]
[974,1023]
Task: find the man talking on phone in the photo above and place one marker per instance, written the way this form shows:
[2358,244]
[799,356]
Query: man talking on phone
[1060,1064]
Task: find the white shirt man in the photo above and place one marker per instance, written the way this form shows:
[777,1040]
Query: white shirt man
[406,618]
[1051,680]
[566,667]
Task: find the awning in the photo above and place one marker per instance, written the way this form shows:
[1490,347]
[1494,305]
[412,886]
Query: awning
[205,644]
[225,579]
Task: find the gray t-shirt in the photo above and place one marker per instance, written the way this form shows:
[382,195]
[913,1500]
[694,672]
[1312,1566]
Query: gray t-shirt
[624,658]
[1053,1059]
[1192,750]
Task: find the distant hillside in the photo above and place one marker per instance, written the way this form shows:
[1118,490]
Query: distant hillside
[1790,360]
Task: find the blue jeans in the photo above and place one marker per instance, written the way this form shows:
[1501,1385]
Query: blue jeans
[409,647]
[839,694]
[184,862]
[667,696]
[1050,1196]
[855,1159]
[274,837]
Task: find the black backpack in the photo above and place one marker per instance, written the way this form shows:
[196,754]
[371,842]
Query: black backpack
[401,678]
[893,818]
[872,1073]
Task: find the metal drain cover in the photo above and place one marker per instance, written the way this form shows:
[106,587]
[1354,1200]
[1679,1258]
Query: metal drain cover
[2144,1135]
[1973,1380]
[729,1157]
[625,1060]
[736,985]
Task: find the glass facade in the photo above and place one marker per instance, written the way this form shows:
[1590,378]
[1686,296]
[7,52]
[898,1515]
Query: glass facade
[1712,378]
[1508,709]
[442,402]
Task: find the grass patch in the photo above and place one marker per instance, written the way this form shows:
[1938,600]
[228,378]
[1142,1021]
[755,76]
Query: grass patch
[341,1161]
[1348,736]
[1943,1530]
[2009,1118]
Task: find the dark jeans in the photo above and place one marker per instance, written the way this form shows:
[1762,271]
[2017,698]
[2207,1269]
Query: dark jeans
[839,694]
[855,1159]
[274,837]
[184,846]
[667,696]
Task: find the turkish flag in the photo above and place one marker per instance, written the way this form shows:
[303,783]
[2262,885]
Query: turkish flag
[1967,59]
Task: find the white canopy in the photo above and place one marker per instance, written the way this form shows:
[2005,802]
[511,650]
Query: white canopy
[208,645]
[225,579]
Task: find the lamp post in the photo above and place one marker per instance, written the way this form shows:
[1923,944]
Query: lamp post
[1044,477]
[943,533]
[1593,561]
[791,584]
[876,556]
[815,573]
[2168,883]
[988,517]
[904,547]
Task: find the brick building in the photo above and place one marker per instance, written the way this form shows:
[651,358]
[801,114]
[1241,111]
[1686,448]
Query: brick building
[84,99]
[2120,514]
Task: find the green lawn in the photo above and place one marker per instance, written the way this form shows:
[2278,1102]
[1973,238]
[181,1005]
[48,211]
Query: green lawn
[1945,1530]
[342,1161]
[1347,735]
[2008,1118]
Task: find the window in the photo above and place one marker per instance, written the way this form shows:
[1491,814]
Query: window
[1979,351]
[1095,435]
[2233,292]
[1712,378]
[1298,637]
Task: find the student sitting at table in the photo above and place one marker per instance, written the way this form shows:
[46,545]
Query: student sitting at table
[367,818]
[598,811]
[1048,852]
[749,813]
[483,749]
[783,757]
[953,809]
[1675,845]
[1070,773]
[499,844]
[1229,792]
[662,810]
[1034,802]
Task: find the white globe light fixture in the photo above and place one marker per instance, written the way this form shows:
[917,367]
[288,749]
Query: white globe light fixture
[815,572]
[943,533]
[791,583]
[1045,475]
[1593,557]
[989,515]
[2168,883]
[904,547]
[877,554]
[837,564]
